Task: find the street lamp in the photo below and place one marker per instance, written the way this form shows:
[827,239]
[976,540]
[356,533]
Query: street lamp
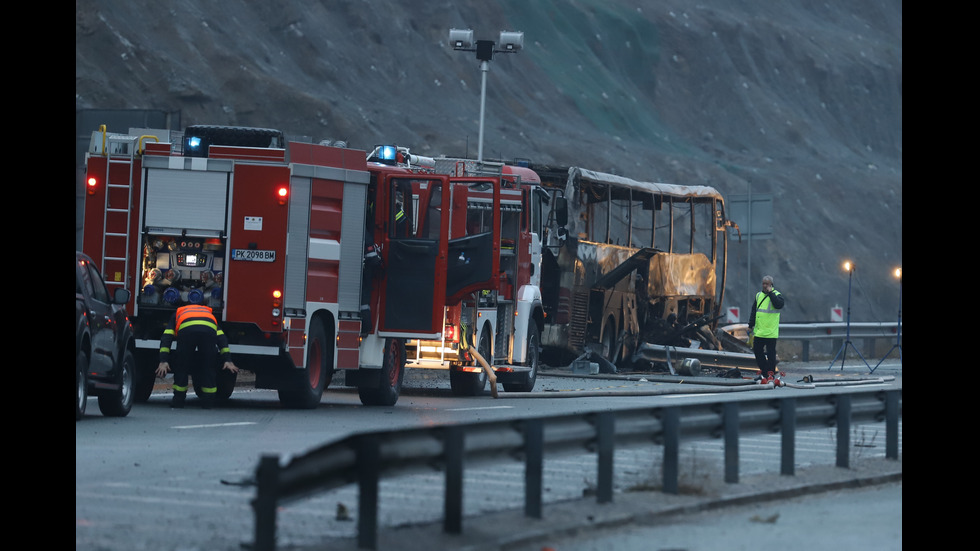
[898,338]
[510,42]
[849,268]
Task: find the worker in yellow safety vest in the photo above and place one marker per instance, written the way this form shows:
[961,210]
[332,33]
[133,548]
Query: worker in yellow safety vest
[764,326]
[197,330]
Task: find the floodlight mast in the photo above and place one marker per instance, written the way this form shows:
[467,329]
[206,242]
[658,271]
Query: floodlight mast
[510,42]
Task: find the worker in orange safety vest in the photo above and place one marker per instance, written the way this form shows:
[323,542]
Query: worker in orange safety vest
[197,330]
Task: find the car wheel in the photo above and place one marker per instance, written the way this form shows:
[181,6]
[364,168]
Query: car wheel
[119,402]
[144,376]
[81,385]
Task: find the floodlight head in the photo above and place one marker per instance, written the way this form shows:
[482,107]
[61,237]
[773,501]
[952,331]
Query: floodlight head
[461,39]
[511,41]
[898,273]
[848,266]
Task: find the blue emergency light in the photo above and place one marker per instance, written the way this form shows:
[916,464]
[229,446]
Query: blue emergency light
[388,153]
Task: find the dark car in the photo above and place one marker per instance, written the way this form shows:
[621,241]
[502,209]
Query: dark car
[104,361]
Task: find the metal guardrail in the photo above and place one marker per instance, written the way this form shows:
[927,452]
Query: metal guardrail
[869,332]
[364,458]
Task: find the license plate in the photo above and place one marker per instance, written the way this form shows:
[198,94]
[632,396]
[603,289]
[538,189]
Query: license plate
[255,255]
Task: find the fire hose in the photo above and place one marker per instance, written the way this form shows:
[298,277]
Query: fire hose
[491,375]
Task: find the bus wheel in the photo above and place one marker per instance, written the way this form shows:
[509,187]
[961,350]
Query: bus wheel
[392,373]
[610,350]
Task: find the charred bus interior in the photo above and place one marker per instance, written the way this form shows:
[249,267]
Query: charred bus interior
[628,262]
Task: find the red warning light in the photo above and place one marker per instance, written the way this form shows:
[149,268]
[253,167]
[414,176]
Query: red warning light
[283,194]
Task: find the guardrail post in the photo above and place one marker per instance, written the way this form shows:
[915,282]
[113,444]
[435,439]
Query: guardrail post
[730,422]
[605,427]
[891,424]
[267,493]
[368,472]
[453,450]
[806,351]
[671,427]
[533,467]
[787,425]
[843,430]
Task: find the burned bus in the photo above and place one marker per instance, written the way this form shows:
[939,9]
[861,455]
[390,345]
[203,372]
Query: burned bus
[626,262]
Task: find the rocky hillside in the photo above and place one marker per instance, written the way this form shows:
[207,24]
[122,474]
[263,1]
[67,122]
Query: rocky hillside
[798,99]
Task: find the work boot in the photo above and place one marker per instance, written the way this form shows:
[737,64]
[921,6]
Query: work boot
[178,400]
[207,401]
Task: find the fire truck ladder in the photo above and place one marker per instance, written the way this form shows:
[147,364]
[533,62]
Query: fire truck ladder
[120,150]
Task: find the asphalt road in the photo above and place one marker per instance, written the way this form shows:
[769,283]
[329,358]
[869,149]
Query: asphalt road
[867,518]
[184,470]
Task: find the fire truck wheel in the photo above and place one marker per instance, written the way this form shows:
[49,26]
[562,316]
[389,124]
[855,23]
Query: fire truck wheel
[464,383]
[118,402]
[392,373]
[531,360]
[226,384]
[81,385]
[307,389]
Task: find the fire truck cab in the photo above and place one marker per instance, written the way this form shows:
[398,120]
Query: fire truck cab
[300,249]
[496,221]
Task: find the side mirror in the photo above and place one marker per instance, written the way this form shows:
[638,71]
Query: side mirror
[120,296]
[561,211]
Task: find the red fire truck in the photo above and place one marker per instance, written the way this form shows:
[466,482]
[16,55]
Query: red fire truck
[502,319]
[316,259]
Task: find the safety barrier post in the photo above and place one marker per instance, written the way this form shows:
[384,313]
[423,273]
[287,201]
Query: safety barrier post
[368,473]
[533,467]
[267,482]
[453,450]
[891,424]
[787,424]
[605,427]
[843,431]
[671,427]
[730,423]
